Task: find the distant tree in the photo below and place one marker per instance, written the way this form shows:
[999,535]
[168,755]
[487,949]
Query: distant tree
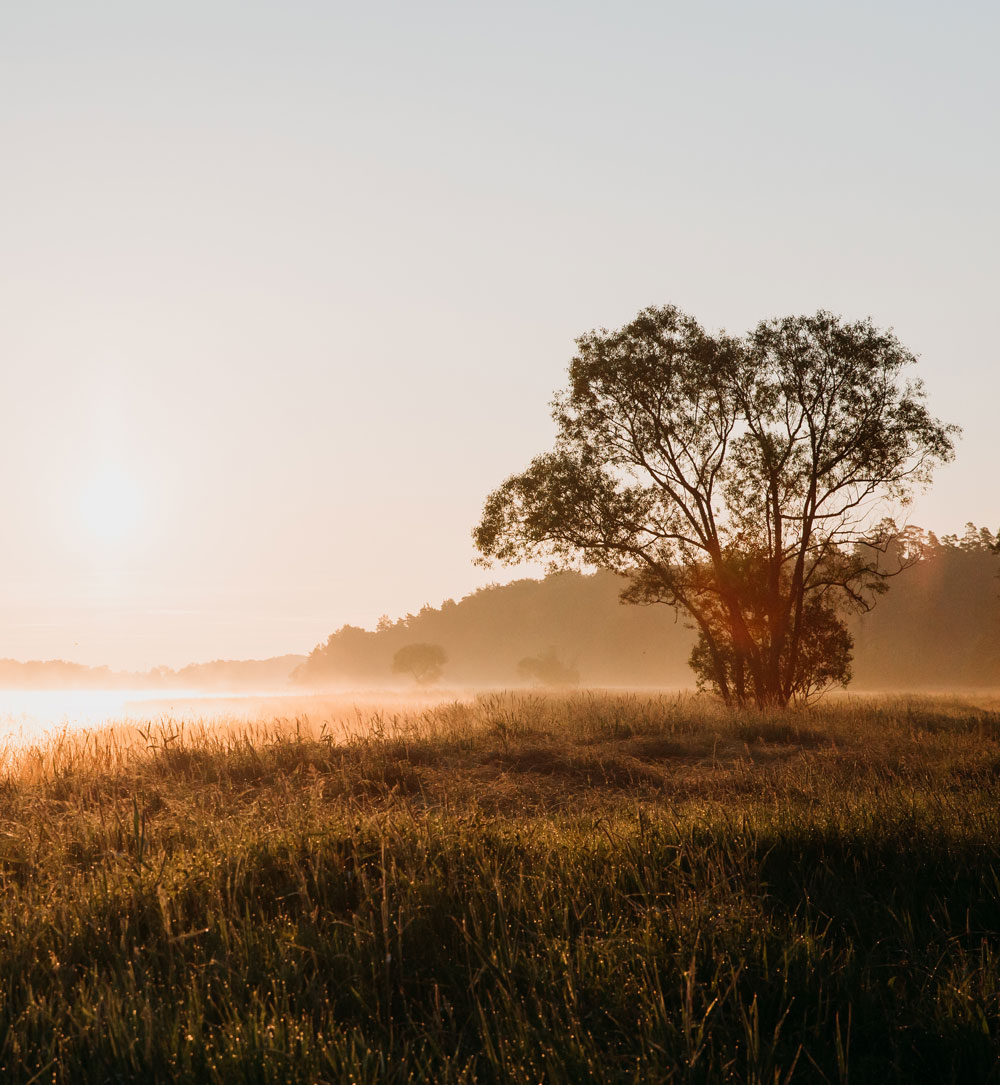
[972,540]
[548,669]
[424,661]
[750,483]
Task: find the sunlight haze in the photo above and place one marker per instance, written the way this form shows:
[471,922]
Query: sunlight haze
[285,290]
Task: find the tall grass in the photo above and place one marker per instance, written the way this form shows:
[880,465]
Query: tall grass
[523,889]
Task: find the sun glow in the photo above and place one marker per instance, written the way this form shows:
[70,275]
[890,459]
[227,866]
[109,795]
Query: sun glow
[111,505]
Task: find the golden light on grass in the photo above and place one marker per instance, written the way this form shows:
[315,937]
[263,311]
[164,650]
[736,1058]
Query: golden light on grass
[597,887]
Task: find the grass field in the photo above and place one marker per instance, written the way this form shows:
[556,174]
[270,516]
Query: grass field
[523,889]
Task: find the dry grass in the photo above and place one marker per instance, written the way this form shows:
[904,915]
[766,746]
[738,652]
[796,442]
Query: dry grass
[599,887]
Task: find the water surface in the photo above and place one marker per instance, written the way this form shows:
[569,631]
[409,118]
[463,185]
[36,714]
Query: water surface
[30,715]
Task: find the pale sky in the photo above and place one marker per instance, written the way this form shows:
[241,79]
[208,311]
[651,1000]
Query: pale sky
[286,288]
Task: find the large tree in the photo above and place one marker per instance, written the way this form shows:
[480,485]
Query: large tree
[750,482]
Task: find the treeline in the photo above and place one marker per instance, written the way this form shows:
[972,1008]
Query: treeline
[938,626]
[220,674]
[487,634]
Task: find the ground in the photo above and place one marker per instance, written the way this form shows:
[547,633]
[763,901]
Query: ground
[599,887]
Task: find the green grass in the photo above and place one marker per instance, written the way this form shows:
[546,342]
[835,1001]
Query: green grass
[592,888]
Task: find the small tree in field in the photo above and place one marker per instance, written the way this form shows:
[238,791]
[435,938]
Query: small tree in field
[750,483]
[424,661]
[548,670]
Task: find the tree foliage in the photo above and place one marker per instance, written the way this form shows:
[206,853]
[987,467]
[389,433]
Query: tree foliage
[548,669]
[424,661]
[749,482]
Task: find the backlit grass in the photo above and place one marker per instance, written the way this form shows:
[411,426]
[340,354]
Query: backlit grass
[605,888]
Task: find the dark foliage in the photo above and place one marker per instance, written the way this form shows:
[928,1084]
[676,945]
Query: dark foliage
[424,661]
[746,482]
[939,627]
[548,670]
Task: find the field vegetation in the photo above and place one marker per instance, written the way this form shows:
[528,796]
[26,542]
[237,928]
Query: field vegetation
[592,887]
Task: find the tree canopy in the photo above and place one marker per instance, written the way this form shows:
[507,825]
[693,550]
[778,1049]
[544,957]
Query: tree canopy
[752,483]
[548,669]
[424,661]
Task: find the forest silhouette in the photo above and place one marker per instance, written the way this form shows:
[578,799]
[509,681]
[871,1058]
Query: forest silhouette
[221,675]
[937,627]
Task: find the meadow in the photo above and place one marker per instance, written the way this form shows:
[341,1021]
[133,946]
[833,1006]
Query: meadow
[519,888]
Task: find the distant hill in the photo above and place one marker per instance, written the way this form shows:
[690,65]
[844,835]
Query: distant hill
[486,634]
[221,674]
[938,626]
[236,674]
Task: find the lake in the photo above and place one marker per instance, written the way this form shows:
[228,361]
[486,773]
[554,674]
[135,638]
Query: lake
[30,715]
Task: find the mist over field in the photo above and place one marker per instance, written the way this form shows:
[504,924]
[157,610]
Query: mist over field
[937,628]
[463,614]
[566,631]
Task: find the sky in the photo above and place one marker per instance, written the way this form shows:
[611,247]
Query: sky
[286,289]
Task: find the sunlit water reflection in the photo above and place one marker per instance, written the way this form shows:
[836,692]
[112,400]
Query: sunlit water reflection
[31,715]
